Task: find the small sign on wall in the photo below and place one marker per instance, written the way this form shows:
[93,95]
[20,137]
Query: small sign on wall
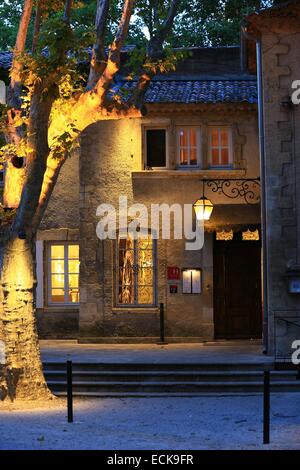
[173,273]
[191,281]
[174,289]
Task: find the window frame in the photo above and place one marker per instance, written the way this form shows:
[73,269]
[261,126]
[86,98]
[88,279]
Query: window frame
[66,244]
[135,305]
[198,147]
[155,128]
[230,146]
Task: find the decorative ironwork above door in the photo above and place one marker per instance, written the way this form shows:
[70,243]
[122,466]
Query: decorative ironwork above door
[248,189]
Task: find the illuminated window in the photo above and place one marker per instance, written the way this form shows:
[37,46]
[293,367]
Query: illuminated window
[189,146]
[220,147]
[191,281]
[135,273]
[63,273]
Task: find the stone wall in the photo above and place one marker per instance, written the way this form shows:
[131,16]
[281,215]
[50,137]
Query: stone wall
[281,65]
[60,223]
[111,165]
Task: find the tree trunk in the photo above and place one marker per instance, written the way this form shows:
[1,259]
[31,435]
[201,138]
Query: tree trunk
[22,376]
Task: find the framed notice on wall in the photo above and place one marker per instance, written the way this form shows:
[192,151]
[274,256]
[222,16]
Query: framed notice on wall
[173,273]
[191,281]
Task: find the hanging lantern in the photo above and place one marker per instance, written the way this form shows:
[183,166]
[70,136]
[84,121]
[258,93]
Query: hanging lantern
[203,208]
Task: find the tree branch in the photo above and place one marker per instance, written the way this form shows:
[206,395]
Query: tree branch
[67,11]
[156,42]
[37,26]
[155,52]
[114,56]
[98,60]
[15,83]
[49,181]
[40,109]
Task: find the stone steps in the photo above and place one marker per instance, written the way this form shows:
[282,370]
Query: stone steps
[142,380]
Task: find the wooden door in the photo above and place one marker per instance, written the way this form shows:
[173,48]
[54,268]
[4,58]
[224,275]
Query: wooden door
[237,289]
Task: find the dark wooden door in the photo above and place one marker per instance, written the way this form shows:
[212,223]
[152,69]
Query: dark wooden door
[237,289]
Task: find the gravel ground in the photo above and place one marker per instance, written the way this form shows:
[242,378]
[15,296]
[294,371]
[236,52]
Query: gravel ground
[153,423]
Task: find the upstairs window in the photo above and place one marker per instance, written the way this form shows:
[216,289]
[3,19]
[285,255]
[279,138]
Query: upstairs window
[220,147]
[156,154]
[63,273]
[189,146]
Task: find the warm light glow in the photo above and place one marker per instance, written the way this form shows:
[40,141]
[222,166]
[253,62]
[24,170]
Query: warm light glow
[251,236]
[224,236]
[203,208]
[14,178]
[64,273]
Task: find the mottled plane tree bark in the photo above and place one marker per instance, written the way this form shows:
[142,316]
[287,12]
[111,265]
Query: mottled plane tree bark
[45,133]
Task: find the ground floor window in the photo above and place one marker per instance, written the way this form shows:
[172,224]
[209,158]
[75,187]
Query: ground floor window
[135,271]
[63,273]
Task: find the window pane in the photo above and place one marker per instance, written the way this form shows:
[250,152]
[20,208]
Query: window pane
[193,156]
[57,295]
[193,137]
[126,271]
[215,157]
[183,138]
[73,280]
[145,263]
[57,266]
[73,266]
[145,295]
[224,157]
[57,280]
[145,243]
[73,251]
[156,148]
[215,137]
[73,296]
[57,251]
[183,156]
[224,137]
[126,293]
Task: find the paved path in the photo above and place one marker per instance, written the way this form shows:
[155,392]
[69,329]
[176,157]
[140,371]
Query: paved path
[154,423]
[222,352]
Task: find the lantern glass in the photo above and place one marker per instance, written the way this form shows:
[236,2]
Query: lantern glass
[203,208]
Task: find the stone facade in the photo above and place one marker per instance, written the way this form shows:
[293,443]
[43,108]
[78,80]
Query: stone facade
[278,31]
[60,223]
[111,165]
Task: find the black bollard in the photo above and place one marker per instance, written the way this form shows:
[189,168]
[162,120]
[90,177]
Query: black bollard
[70,391]
[267,407]
[162,322]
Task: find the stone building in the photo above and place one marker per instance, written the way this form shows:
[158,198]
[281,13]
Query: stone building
[201,125]
[200,136]
[277,32]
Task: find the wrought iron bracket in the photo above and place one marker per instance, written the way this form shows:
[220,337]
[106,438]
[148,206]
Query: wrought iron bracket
[247,189]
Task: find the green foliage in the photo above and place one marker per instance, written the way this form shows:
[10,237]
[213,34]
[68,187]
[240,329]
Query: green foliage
[10,14]
[67,142]
[201,22]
